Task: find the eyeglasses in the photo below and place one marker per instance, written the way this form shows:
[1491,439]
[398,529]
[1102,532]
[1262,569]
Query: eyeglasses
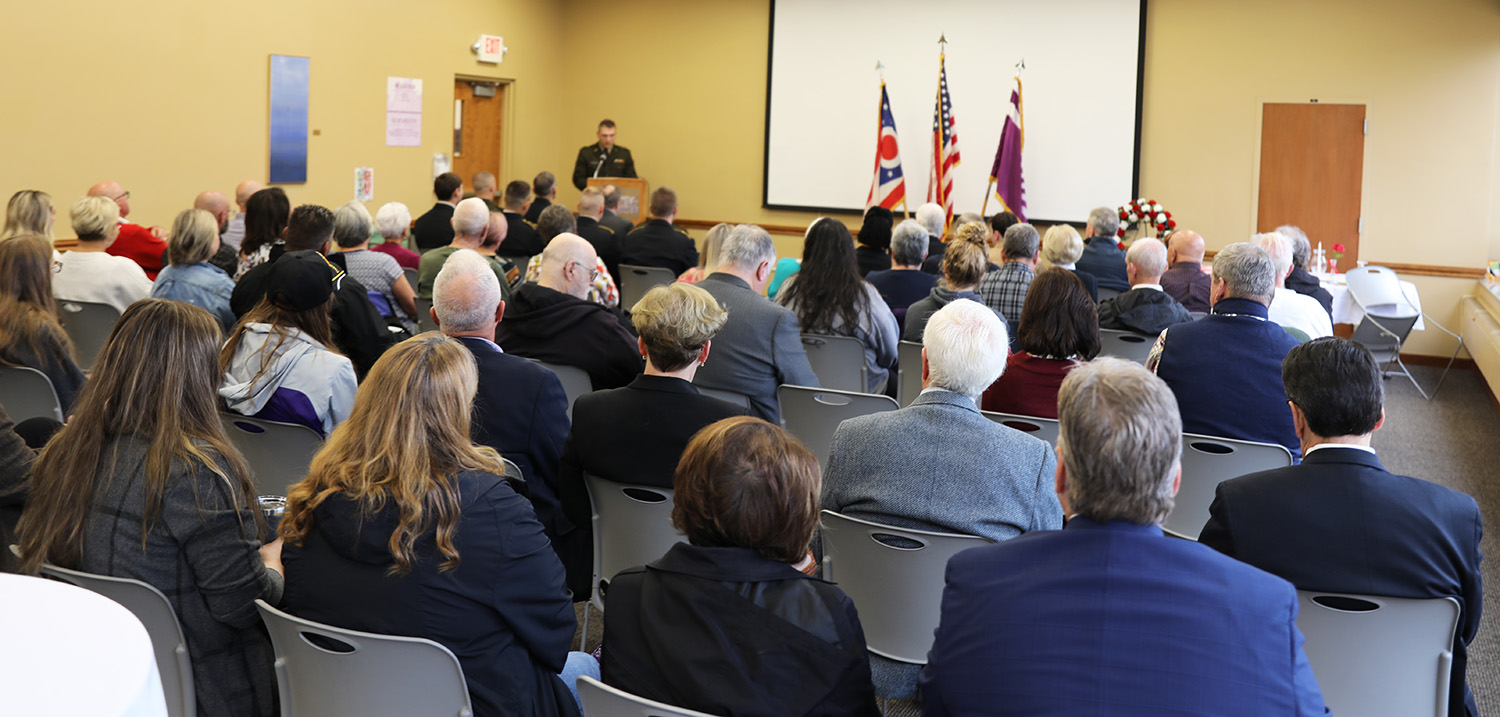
[126,195]
[593,270]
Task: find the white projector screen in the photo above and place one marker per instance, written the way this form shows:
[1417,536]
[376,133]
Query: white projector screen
[1081,98]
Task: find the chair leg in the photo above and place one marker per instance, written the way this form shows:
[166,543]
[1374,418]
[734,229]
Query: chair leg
[583,635]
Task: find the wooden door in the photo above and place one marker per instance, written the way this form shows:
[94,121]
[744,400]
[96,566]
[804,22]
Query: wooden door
[476,139]
[1311,165]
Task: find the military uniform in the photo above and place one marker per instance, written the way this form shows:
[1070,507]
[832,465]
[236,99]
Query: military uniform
[521,237]
[658,243]
[617,224]
[616,163]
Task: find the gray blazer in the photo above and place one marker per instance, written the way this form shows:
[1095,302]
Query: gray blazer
[759,348]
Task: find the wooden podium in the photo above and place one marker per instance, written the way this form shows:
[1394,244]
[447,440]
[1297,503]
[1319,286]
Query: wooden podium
[634,194]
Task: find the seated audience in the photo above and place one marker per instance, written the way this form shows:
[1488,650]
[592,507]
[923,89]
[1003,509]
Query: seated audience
[521,238]
[470,224]
[281,363]
[1004,289]
[786,268]
[144,484]
[611,220]
[873,252]
[189,277]
[726,623]
[1059,331]
[998,224]
[1185,279]
[637,433]
[391,222]
[225,257]
[378,273]
[1341,522]
[551,319]
[938,464]
[962,271]
[657,242]
[934,220]
[829,298]
[234,234]
[1289,308]
[266,217]
[88,273]
[1061,247]
[144,246]
[19,443]
[29,212]
[1102,256]
[435,228]
[544,187]
[602,289]
[484,186]
[30,334]
[1225,369]
[606,243]
[904,283]
[1300,280]
[1109,615]
[404,527]
[760,346]
[708,259]
[1146,308]
[494,236]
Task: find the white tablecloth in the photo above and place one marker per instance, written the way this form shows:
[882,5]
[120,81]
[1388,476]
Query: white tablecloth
[1345,311]
[69,651]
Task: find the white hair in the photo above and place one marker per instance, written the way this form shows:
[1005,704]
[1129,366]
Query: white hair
[471,217]
[466,293]
[392,220]
[1105,221]
[1301,245]
[909,243]
[746,247]
[1279,248]
[1148,255]
[932,217]
[966,347]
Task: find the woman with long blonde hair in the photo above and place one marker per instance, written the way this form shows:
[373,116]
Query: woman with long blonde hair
[708,259]
[29,211]
[373,536]
[143,483]
[30,334]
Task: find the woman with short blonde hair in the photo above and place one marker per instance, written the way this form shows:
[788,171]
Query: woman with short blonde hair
[964,265]
[1062,246]
[29,211]
[190,277]
[88,272]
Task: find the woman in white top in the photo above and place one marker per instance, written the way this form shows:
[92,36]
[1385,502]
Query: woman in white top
[87,272]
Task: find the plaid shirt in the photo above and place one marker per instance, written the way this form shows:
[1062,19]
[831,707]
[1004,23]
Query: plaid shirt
[1004,290]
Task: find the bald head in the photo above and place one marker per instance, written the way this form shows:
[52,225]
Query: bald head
[1145,261]
[243,191]
[114,191]
[568,265]
[470,218]
[214,203]
[1184,245]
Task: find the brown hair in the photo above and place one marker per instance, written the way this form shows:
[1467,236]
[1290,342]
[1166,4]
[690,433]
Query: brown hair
[155,378]
[28,313]
[964,264]
[406,438]
[663,201]
[744,483]
[314,322]
[1059,319]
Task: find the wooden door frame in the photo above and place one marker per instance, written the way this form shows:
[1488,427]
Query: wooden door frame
[1253,219]
[507,122]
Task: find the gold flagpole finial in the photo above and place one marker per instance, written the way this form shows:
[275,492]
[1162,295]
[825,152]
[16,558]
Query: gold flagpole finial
[943,41]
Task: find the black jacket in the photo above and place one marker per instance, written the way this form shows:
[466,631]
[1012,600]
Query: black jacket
[551,326]
[521,238]
[617,224]
[1105,260]
[606,245]
[534,212]
[435,228]
[1306,284]
[615,162]
[658,243]
[1144,311]
[871,259]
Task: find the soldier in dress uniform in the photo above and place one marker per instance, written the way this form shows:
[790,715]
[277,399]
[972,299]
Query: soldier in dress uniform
[603,158]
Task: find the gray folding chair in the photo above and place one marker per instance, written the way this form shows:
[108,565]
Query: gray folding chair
[424,315]
[278,453]
[813,414]
[1107,293]
[601,700]
[365,675]
[1043,428]
[837,361]
[1208,461]
[632,526]
[575,381]
[738,399]
[1389,318]
[908,372]
[635,281]
[1124,344]
[89,324]
[156,614]
[27,393]
[1378,656]
[411,277]
[899,590]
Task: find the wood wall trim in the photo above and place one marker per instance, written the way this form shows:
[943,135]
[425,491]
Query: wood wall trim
[772,228]
[1451,272]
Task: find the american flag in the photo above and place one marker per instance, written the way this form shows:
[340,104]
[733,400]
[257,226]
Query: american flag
[889,186]
[944,145]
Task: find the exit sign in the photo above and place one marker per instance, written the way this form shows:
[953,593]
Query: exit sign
[491,48]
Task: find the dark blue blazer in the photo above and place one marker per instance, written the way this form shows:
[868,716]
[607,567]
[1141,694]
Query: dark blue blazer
[1106,619]
[1340,522]
[1105,261]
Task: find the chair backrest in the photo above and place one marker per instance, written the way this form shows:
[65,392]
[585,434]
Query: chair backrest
[365,674]
[411,277]
[738,399]
[278,453]
[156,614]
[601,700]
[1197,314]
[1376,656]
[575,381]
[1043,428]
[27,393]
[908,372]
[1107,293]
[636,280]
[837,361]
[1378,289]
[1208,461]
[1125,344]
[813,414]
[424,315]
[1383,335]
[632,526]
[88,323]
[899,590]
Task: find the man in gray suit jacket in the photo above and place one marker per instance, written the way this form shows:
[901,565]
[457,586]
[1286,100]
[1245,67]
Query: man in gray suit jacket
[760,346]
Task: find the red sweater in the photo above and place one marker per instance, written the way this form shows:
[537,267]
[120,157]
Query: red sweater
[1028,387]
[139,245]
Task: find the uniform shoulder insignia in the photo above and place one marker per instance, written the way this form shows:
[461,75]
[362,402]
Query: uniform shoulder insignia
[528,222]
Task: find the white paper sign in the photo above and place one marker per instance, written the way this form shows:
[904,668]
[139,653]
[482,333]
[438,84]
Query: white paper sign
[403,112]
[364,184]
[440,164]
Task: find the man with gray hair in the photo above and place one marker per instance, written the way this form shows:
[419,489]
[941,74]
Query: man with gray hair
[1300,280]
[1146,308]
[1109,614]
[1102,257]
[939,464]
[904,283]
[470,220]
[1004,289]
[544,186]
[932,217]
[760,346]
[1289,308]
[1225,368]
[551,319]
[520,409]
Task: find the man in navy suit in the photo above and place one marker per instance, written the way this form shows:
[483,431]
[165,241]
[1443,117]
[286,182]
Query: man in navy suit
[1108,615]
[520,409]
[1339,521]
[1102,257]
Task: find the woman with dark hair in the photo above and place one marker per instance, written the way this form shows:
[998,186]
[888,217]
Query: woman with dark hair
[763,638]
[143,483]
[829,297]
[873,252]
[30,335]
[266,216]
[1059,329]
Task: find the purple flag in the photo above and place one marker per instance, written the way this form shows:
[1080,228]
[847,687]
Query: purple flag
[1010,188]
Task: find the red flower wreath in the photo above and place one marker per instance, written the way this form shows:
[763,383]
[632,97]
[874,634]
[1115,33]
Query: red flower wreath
[1146,210]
